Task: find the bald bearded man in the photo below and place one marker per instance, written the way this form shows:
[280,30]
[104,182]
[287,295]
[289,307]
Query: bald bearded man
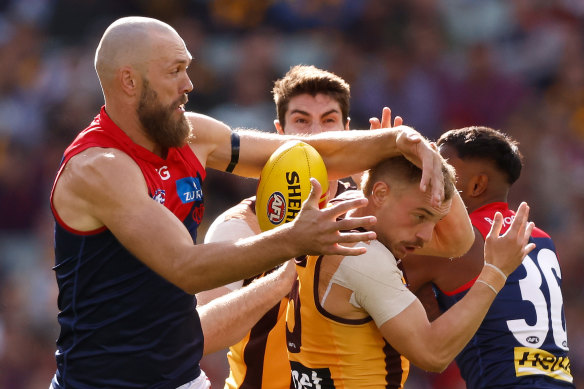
[127,201]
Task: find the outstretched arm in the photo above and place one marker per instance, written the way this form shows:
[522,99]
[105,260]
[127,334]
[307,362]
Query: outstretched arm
[344,152]
[105,187]
[225,320]
[432,346]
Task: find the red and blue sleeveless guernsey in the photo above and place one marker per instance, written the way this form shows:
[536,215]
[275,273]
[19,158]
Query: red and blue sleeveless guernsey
[122,325]
[522,341]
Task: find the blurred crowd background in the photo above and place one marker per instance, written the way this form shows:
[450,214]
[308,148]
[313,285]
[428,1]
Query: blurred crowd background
[515,65]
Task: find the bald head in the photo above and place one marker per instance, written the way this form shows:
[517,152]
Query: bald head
[130,41]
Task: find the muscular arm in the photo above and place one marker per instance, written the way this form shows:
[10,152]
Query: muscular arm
[104,187]
[344,152]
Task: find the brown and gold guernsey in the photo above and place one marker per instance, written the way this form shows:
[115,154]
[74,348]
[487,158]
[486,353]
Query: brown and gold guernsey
[259,360]
[326,351]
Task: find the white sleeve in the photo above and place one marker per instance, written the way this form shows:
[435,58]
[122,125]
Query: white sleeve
[222,230]
[376,282]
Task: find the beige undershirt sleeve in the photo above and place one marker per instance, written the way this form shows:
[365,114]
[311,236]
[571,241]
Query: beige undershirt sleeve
[376,282]
[229,230]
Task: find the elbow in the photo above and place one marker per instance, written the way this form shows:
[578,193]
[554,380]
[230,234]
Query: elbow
[433,362]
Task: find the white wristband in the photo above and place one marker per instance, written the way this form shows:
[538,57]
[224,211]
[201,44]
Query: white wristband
[489,285]
[497,269]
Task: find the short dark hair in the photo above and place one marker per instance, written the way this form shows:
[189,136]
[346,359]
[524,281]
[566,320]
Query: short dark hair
[486,144]
[301,79]
[400,168]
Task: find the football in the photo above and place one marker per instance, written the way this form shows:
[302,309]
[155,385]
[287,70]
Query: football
[285,183]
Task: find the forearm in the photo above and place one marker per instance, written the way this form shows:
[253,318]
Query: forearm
[227,319]
[344,152]
[453,330]
[350,152]
[215,264]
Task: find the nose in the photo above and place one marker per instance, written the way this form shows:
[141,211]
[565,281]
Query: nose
[425,232]
[316,128]
[188,87]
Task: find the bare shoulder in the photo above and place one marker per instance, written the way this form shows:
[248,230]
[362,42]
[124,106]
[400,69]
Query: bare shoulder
[94,179]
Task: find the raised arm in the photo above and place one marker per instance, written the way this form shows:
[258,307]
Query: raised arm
[344,152]
[432,346]
[104,187]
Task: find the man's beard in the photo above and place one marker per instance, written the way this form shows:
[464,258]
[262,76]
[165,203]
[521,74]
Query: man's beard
[157,120]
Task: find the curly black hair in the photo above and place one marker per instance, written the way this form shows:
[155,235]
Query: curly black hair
[487,144]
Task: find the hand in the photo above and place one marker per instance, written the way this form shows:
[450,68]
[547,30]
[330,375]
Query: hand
[285,277]
[424,154]
[508,250]
[317,231]
[375,124]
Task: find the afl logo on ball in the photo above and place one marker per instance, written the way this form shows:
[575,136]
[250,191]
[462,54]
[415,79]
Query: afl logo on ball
[276,208]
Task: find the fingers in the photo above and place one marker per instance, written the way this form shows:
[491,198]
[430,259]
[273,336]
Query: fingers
[528,248]
[398,121]
[520,221]
[386,117]
[343,207]
[314,195]
[352,223]
[347,251]
[432,175]
[496,227]
[374,124]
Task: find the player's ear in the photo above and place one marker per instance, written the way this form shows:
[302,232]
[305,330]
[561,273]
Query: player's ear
[278,126]
[477,185]
[128,81]
[348,125]
[379,193]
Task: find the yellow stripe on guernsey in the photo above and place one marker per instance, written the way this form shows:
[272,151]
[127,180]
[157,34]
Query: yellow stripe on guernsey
[532,361]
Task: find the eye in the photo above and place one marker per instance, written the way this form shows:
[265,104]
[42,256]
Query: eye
[420,218]
[301,120]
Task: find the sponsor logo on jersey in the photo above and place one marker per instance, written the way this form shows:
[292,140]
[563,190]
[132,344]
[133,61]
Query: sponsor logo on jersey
[276,208]
[163,173]
[506,220]
[189,189]
[533,361]
[159,196]
[304,378]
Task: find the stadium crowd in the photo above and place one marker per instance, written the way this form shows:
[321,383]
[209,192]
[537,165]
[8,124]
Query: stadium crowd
[514,65]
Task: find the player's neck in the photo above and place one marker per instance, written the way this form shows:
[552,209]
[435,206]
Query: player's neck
[127,120]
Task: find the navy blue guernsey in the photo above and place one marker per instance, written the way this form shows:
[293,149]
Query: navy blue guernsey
[122,325]
[522,341]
